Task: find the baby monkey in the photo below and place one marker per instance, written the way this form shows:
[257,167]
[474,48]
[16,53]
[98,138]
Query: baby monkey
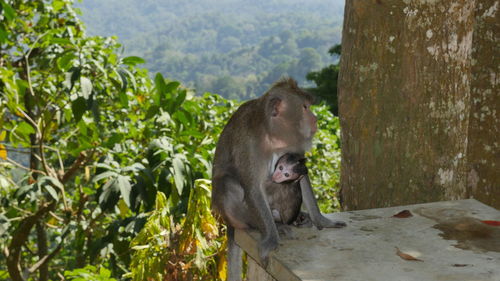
[290,167]
[284,193]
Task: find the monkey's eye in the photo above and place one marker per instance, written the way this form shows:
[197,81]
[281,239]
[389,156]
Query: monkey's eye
[305,106]
[287,175]
[281,168]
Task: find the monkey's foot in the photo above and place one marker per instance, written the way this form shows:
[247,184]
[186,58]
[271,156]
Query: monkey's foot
[322,222]
[265,247]
[303,220]
[285,231]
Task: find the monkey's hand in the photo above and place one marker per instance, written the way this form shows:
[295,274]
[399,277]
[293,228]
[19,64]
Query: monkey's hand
[321,222]
[265,247]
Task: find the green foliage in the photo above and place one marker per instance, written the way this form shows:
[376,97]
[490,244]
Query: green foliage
[89,273]
[188,245]
[102,139]
[326,82]
[103,169]
[324,160]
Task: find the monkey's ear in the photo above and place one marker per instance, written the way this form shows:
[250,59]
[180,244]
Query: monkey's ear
[275,106]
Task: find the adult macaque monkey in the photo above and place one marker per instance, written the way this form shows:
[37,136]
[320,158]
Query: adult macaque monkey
[257,135]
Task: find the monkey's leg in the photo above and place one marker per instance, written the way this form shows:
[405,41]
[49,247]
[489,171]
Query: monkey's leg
[234,262]
[311,204]
[245,208]
[229,202]
[262,219]
[285,231]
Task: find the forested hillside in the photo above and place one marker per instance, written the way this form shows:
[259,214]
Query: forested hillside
[232,47]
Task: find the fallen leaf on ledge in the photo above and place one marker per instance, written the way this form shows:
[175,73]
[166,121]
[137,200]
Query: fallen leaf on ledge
[403,214]
[494,223]
[461,265]
[406,256]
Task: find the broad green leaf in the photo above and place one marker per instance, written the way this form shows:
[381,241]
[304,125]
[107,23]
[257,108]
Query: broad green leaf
[3,34]
[60,41]
[104,166]
[8,12]
[112,58]
[123,99]
[25,129]
[152,111]
[54,181]
[4,224]
[123,77]
[125,188]
[131,78]
[179,169]
[160,83]
[133,60]
[64,62]
[170,87]
[79,106]
[136,167]
[86,87]
[51,191]
[107,174]
[71,77]
[23,191]
[110,195]
[22,85]
[57,5]
[180,97]
[115,138]
[179,115]
[161,201]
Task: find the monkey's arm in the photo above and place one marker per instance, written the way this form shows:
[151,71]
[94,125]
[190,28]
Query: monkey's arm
[311,204]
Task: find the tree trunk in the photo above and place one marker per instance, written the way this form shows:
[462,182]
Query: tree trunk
[483,150]
[404,99]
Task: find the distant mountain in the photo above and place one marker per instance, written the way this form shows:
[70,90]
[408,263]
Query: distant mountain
[232,47]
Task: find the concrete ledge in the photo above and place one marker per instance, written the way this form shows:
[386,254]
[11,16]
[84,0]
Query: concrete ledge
[449,237]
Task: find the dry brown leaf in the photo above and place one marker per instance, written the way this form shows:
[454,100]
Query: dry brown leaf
[460,265]
[406,256]
[403,214]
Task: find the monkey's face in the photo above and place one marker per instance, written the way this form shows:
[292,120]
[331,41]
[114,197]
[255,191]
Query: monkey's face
[291,119]
[284,173]
[289,168]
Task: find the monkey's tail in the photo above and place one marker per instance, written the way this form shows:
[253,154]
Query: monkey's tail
[234,261]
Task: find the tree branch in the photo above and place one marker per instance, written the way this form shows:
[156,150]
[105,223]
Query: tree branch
[82,159]
[19,238]
[24,168]
[44,260]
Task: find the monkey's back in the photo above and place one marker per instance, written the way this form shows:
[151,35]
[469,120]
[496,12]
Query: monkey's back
[236,143]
